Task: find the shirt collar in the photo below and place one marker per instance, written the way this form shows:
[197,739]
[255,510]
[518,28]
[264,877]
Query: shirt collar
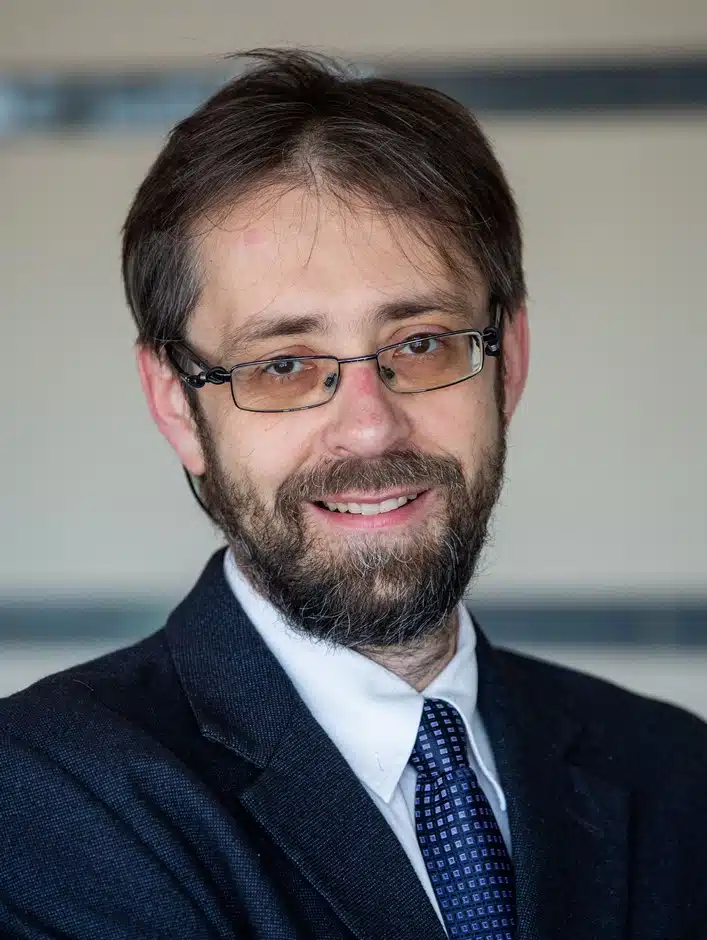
[370,714]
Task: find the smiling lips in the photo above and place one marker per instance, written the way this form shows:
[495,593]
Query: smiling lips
[370,508]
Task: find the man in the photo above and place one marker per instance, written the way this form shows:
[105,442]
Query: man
[327,281]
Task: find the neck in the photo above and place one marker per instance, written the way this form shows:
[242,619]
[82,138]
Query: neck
[418,665]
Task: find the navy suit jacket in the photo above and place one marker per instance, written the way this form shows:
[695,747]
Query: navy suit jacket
[181,789]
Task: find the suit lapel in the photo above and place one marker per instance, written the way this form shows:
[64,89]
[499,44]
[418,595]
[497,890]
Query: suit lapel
[569,825]
[314,808]
[306,795]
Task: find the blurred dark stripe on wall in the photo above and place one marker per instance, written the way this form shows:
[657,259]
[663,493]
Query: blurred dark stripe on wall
[645,622]
[36,102]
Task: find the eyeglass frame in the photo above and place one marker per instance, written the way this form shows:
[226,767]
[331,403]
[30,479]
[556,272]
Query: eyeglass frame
[489,338]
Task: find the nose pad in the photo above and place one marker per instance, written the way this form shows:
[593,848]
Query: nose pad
[387,373]
[330,381]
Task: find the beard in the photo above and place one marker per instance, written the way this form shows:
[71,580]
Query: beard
[374,590]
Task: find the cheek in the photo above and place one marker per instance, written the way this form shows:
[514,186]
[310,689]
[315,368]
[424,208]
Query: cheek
[266,449]
[460,419]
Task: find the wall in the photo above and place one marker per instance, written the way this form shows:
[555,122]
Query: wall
[60,32]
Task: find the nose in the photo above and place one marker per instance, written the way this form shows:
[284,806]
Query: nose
[365,420]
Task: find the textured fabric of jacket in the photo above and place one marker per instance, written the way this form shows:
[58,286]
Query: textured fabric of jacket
[180,789]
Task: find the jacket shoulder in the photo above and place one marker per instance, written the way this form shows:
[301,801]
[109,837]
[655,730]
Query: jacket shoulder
[91,796]
[634,730]
[101,691]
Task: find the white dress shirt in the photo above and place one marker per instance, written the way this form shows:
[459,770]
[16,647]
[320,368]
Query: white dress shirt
[373,716]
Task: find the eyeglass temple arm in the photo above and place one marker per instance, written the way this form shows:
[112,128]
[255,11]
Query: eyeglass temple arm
[208,374]
[492,334]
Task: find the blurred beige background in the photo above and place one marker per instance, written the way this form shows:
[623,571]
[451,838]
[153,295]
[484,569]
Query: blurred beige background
[71,32]
[606,494]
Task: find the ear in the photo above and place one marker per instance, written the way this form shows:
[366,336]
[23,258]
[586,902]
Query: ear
[169,407]
[516,355]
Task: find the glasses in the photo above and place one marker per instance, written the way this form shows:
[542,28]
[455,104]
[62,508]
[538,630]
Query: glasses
[421,363]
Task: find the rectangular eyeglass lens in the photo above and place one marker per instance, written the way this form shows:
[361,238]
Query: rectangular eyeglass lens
[434,360]
[283,383]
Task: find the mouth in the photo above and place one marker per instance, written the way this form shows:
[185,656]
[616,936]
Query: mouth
[367,505]
[372,511]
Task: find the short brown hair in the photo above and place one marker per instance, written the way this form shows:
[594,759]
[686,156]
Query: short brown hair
[294,118]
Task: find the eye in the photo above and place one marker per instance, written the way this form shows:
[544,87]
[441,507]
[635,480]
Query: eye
[420,345]
[283,368]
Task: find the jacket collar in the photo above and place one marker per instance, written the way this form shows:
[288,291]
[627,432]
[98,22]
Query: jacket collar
[568,824]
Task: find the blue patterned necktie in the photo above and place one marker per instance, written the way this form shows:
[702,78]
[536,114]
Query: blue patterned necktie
[466,857]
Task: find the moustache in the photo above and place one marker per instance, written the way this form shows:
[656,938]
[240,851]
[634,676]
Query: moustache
[410,469]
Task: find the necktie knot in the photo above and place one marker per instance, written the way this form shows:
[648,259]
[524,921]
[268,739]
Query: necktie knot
[440,747]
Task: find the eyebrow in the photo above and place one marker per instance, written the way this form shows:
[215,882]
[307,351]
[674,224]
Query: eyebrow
[284,325]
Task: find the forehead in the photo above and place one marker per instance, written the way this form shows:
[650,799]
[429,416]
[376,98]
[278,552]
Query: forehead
[297,252]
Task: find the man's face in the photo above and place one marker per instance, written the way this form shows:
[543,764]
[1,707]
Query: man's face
[381,576]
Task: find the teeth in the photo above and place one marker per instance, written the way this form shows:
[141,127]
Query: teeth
[371,509]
